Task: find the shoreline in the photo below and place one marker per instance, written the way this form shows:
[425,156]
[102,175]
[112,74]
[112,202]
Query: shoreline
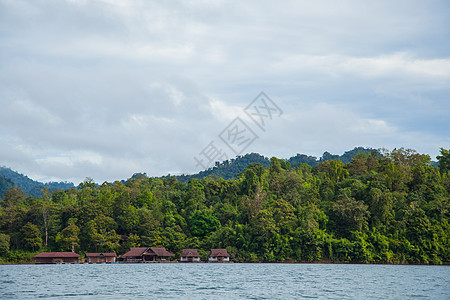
[233,262]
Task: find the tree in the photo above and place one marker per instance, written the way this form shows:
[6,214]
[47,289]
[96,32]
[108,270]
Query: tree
[68,238]
[87,183]
[202,223]
[13,197]
[254,177]
[129,219]
[348,215]
[43,210]
[444,160]
[4,243]
[195,197]
[283,214]
[264,223]
[31,237]
[376,208]
[100,234]
[333,169]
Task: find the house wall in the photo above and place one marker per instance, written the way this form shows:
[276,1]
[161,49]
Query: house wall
[54,260]
[218,258]
[133,259]
[187,259]
[98,259]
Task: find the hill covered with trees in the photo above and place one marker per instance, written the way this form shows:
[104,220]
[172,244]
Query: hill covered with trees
[9,178]
[388,207]
[229,169]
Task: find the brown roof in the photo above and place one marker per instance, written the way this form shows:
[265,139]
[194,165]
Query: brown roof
[135,251]
[219,252]
[161,251]
[189,253]
[56,254]
[140,251]
[109,254]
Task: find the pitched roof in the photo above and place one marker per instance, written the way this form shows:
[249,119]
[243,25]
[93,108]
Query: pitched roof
[135,251]
[140,251]
[56,254]
[161,251]
[109,254]
[189,253]
[218,252]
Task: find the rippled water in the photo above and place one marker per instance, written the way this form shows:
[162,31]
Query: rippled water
[219,281]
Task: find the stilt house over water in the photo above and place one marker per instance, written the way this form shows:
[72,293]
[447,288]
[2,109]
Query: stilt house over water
[189,255]
[56,257]
[97,258]
[218,255]
[146,254]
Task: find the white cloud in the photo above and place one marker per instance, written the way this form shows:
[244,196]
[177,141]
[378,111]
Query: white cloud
[397,65]
[108,88]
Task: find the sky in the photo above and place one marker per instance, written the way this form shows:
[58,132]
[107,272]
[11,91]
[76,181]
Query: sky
[108,88]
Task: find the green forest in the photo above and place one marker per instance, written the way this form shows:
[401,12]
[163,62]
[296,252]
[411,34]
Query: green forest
[379,207]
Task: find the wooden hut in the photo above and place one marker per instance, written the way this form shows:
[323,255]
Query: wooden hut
[146,254]
[189,255]
[56,257]
[98,258]
[218,255]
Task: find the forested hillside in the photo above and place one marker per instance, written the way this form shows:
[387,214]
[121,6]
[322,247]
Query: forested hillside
[378,208]
[29,186]
[5,184]
[229,169]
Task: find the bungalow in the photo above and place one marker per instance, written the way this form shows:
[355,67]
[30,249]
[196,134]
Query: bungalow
[56,257]
[189,255]
[218,255]
[146,254]
[96,258]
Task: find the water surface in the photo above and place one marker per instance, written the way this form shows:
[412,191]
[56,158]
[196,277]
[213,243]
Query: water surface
[220,281]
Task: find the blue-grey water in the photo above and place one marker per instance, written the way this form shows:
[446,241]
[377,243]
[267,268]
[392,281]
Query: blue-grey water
[220,281]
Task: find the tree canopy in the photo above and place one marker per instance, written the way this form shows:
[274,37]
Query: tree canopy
[376,208]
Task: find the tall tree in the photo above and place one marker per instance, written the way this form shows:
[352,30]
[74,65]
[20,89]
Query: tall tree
[444,160]
[31,237]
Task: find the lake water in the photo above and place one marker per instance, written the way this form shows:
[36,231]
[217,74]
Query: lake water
[220,281]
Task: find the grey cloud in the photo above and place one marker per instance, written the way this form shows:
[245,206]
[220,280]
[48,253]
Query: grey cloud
[109,88]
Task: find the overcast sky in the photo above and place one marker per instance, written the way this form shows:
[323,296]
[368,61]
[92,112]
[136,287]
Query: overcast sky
[105,89]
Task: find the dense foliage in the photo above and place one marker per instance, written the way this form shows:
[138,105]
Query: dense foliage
[8,178]
[229,169]
[388,207]
[5,184]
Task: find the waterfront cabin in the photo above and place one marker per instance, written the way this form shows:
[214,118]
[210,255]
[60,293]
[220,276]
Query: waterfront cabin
[189,255]
[56,257]
[98,258]
[146,254]
[218,255]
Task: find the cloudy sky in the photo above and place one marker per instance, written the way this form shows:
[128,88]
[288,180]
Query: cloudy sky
[107,88]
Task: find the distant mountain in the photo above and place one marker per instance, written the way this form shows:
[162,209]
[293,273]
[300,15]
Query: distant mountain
[9,178]
[5,184]
[229,169]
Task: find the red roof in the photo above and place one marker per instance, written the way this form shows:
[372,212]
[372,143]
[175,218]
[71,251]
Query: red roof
[219,253]
[189,253]
[135,251]
[161,251]
[109,254]
[140,251]
[57,254]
